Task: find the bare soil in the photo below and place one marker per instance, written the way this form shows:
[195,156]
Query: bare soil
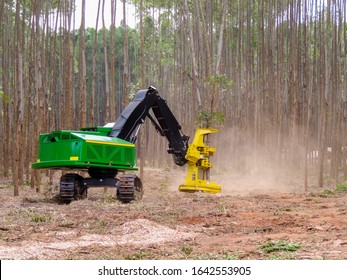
[168,224]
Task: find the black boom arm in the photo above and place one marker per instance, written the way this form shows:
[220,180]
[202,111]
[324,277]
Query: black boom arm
[128,123]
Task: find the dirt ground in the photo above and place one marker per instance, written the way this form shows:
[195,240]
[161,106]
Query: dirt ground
[167,224]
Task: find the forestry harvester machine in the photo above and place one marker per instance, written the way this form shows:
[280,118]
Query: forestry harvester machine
[103,151]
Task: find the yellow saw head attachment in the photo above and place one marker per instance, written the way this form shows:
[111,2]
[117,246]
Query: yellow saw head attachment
[198,154]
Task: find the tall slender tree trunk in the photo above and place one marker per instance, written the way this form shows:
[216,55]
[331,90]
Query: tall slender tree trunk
[93,93]
[39,85]
[221,37]
[143,85]
[106,109]
[196,79]
[126,58]
[68,70]
[5,48]
[324,99]
[344,95]
[19,104]
[82,72]
[112,62]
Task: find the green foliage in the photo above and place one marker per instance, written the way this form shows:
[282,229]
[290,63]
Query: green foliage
[103,223]
[40,218]
[341,187]
[31,214]
[210,119]
[328,192]
[18,213]
[222,81]
[207,116]
[279,245]
[222,208]
[187,249]
[5,97]
[148,4]
[231,256]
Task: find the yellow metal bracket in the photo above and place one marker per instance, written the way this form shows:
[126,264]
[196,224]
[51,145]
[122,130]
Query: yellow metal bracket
[198,154]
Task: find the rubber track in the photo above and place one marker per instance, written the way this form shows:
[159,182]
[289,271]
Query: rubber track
[126,190]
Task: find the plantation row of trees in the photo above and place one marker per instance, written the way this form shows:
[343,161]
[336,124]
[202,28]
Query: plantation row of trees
[272,74]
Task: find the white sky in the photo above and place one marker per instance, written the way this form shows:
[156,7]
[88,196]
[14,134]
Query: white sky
[92,9]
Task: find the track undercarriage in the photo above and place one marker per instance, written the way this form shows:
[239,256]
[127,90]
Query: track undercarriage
[75,187]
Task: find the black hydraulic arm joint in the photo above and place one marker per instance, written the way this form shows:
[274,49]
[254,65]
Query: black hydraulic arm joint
[128,123]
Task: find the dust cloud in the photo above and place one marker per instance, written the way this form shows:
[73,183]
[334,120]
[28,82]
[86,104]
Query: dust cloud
[242,167]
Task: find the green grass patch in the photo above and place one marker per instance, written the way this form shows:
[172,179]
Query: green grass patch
[103,223]
[324,193]
[341,187]
[31,215]
[39,218]
[230,255]
[18,213]
[279,245]
[142,254]
[327,192]
[187,249]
